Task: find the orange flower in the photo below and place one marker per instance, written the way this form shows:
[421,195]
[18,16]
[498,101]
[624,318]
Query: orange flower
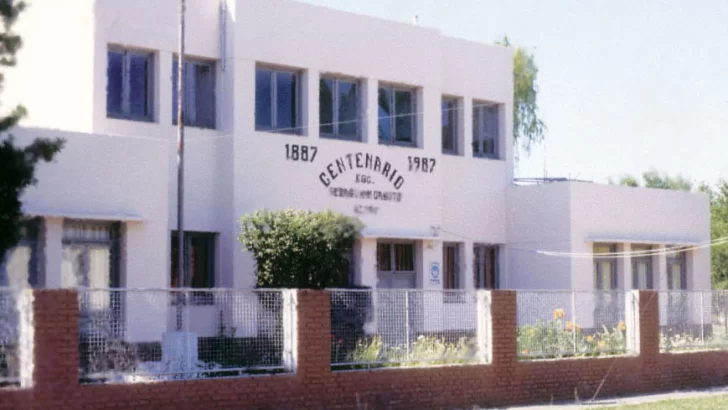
[602,344]
[589,339]
[622,326]
[569,325]
[558,313]
[524,352]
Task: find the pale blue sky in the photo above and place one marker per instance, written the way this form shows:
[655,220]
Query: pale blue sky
[625,85]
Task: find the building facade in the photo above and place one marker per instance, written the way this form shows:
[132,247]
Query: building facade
[289,105]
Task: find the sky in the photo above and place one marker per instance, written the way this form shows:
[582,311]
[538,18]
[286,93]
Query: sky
[624,86]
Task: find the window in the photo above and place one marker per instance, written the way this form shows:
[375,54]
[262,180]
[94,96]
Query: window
[676,271]
[339,108]
[642,269]
[485,267]
[485,130]
[199,264]
[90,254]
[19,267]
[451,268]
[396,264]
[277,101]
[449,126]
[199,88]
[397,116]
[605,268]
[129,79]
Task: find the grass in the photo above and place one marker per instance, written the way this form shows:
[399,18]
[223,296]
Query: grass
[699,403]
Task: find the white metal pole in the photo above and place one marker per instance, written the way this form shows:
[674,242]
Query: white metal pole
[181,271]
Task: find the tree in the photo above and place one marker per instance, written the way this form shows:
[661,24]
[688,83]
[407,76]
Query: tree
[528,128]
[17,165]
[300,249]
[655,179]
[718,229]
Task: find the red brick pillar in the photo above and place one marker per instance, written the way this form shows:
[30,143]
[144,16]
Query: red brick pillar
[649,320]
[504,340]
[56,357]
[314,343]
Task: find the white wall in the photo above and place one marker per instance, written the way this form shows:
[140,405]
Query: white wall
[642,215]
[538,220]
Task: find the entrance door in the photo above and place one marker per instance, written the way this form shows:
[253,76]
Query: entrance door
[395,309]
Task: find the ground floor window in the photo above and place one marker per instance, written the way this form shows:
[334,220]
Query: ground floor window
[19,266]
[90,254]
[605,267]
[677,271]
[642,277]
[396,264]
[485,266]
[199,264]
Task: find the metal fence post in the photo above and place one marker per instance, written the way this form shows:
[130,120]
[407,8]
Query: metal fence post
[573,318]
[702,319]
[407,321]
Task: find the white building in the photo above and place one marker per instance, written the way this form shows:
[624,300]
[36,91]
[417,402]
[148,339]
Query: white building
[295,106]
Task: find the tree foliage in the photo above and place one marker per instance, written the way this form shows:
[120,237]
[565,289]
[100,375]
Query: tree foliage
[658,180]
[17,165]
[718,214]
[299,249]
[528,128]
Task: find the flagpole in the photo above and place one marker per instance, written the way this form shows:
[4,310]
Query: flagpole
[181,271]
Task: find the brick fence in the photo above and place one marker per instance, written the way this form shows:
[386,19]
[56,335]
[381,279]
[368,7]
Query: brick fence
[504,381]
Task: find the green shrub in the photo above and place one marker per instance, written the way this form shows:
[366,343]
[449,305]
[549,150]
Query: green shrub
[299,249]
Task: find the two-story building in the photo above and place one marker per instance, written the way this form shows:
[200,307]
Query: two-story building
[289,105]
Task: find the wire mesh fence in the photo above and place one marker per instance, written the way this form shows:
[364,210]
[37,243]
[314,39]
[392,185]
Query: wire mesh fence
[384,328]
[16,337]
[693,320]
[130,335]
[557,324]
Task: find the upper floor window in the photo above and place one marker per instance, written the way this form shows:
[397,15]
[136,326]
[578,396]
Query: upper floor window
[199,87]
[129,77]
[485,130]
[397,115]
[277,100]
[449,125]
[339,108]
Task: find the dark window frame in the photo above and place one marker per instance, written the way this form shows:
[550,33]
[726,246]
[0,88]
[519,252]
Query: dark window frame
[636,260]
[393,139]
[211,123]
[481,134]
[30,236]
[297,128]
[336,122]
[453,115]
[598,271]
[481,253]
[197,297]
[125,113]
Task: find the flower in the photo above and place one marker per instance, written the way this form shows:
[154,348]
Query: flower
[602,344]
[578,328]
[558,313]
[569,325]
[524,352]
[622,326]
[531,332]
[341,341]
[589,339]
